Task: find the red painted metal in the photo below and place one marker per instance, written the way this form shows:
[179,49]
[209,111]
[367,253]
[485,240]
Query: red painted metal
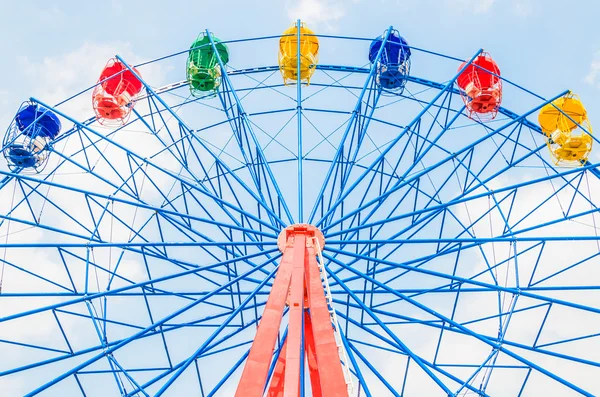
[328,357]
[298,279]
[311,356]
[276,386]
[291,387]
[256,370]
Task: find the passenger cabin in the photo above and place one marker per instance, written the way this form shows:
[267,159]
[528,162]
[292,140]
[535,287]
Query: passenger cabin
[288,54]
[393,65]
[565,123]
[25,144]
[481,87]
[115,94]
[203,69]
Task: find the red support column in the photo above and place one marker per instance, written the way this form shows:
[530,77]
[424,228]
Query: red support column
[328,357]
[256,370]
[298,275]
[311,357]
[291,387]
[276,386]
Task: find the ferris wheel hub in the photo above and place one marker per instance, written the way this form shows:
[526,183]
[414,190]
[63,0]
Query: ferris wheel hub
[314,236]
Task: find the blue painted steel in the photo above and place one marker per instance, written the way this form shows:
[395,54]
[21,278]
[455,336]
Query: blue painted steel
[250,130]
[300,152]
[187,235]
[339,155]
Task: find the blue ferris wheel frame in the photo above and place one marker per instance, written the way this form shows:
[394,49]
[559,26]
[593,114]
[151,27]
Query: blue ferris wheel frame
[259,230]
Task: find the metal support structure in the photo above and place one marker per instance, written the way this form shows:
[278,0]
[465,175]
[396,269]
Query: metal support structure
[408,247]
[299,117]
[245,127]
[298,285]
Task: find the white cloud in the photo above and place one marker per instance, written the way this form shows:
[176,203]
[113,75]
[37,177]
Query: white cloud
[593,77]
[61,76]
[523,8]
[475,6]
[3,97]
[315,12]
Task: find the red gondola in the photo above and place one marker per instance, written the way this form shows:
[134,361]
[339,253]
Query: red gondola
[114,96]
[481,87]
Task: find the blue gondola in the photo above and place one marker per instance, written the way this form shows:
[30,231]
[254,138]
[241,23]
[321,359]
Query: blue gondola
[394,64]
[25,144]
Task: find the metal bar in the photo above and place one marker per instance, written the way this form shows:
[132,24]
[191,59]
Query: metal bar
[469,332]
[343,195]
[378,201]
[351,124]
[291,387]
[311,356]
[277,380]
[299,117]
[244,116]
[328,358]
[254,376]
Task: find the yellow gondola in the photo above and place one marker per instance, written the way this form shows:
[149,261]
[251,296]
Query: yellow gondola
[288,54]
[565,123]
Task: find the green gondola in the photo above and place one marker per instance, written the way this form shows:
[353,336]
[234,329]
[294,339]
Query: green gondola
[203,69]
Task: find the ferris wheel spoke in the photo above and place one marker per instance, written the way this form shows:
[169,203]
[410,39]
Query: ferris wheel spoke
[161,322]
[187,130]
[416,225]
[396,349]
[208,351]
[253,153]
[441,325]
[371,368]
[148,287]
[354,132]
[509,189]
[508,228]
[180,219]
[382,179]
[166,329]
[206,343]
[340,197]
[531,286]
[185,230]
[520,290]
[356,369]
[574,209]
[217,178]
[218,200]
[495,345]
[379,200]
[391,334]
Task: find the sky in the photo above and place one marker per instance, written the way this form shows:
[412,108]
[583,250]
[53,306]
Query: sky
[541,45]
[54,50]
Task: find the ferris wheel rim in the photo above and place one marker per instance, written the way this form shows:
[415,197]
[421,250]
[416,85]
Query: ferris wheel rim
[341,240]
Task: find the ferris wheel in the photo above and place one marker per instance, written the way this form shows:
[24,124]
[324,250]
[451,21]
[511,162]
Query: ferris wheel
[301,214]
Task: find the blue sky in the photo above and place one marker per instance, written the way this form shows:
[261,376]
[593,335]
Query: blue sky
[54,50]
[542,45]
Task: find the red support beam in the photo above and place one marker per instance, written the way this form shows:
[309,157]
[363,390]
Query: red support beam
[311,357]
[256,370]
[328,357]
[276,386]
[291,387]
[298,279]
